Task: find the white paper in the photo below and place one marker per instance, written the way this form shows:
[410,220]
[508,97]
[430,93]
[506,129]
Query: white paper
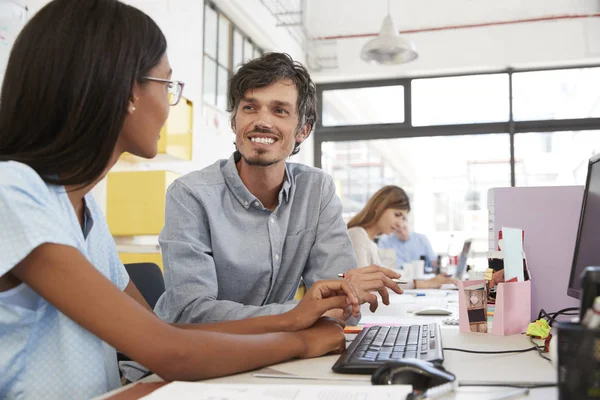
[512,247]
[213,391]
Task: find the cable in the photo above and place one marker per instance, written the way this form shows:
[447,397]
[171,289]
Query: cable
[539,349]
[536,347]
[553,315]
[518,385]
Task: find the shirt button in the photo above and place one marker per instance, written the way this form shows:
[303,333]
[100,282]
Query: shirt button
[246,203]
[256,204]
[276,257]
[272,219]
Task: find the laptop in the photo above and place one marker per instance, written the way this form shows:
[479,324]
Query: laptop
[461,267]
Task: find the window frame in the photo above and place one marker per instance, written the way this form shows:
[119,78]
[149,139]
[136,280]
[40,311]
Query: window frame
[407,130]
[230,67]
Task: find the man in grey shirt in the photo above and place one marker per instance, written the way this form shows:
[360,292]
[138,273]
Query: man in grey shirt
[240,234]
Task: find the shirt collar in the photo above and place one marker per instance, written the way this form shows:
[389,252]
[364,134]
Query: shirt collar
[239,190]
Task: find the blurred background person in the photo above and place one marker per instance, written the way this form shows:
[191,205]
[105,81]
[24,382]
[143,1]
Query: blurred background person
[409,247]
[384,213]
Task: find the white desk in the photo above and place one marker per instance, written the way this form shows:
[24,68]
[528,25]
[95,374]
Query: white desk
[518,367]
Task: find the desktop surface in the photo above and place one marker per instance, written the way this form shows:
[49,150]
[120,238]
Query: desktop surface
[518,367]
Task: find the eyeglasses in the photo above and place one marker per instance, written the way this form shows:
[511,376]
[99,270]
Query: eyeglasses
[175,88]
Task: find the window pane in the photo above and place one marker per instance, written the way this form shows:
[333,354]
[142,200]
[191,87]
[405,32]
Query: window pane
[460,100]
[222,79]
[210,32]
[554,158]
[560,94]
[372,105]
[238,50]
[224,41]
[448,204]
[248,50]
[210,80]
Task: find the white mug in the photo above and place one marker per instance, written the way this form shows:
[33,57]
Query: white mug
[418,267]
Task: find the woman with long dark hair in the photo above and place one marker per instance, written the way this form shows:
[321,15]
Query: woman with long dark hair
[86,81]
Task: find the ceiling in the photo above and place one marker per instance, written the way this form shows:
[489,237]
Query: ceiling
[342,17]
[451,36]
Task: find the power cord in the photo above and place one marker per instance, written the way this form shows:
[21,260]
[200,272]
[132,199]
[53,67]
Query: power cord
[517,385]
[551,317]
[539,349]
[536,347]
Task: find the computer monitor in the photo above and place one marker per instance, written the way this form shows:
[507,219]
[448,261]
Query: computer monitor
[587,248]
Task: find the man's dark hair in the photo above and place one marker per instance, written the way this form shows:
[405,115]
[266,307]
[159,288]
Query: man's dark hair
[268,69]
[68,84]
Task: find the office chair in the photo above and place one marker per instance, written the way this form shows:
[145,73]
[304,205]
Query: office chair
[148,278]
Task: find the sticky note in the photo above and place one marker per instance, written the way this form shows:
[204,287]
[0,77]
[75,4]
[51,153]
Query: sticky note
[512,247]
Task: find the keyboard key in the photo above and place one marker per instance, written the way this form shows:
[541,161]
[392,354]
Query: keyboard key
[380,344]
[410,354]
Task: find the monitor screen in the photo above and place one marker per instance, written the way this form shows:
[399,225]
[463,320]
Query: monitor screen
[587,246]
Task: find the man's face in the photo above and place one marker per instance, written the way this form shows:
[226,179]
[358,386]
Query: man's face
[266,124]
[402,231]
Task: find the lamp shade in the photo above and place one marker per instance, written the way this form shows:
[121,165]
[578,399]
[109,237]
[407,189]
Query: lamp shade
[389,48]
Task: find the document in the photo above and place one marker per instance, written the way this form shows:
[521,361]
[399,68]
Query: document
[512,247]
[213,391]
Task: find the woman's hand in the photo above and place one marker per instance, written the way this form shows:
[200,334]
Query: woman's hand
[373,279]
[323,296]
[326,336]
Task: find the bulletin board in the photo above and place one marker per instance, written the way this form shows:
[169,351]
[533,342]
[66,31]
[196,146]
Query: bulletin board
[13,15]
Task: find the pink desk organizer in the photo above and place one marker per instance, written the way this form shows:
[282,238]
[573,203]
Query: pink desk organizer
[512,309]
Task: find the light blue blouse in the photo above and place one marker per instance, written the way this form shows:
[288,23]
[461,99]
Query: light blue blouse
[43,353]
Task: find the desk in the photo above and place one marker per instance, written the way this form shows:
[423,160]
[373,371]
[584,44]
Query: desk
[520,367]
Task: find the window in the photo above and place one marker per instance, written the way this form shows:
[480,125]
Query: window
[447,183]
[460,100]
[370,105]
[225,48]
[455,139]
[558,94]
[554,158]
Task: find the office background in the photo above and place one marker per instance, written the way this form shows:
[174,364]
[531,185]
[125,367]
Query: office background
[503,93]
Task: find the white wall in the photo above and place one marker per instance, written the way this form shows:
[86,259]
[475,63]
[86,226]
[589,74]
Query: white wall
[182,24]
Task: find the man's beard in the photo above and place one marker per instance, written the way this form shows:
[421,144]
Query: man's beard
[258,161]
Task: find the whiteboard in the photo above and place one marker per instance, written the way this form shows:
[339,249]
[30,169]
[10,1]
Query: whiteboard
[13,16]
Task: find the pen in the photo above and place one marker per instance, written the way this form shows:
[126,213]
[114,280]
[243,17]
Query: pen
[513,395]
[398,281]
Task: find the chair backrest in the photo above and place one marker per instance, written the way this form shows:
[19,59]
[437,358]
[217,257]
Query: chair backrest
[149,280]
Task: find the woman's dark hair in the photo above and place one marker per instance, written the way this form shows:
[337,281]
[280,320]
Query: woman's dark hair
[387,197]
[268,69]
[67,85]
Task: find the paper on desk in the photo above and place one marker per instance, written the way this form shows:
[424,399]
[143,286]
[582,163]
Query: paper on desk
[512,247]
[214,391]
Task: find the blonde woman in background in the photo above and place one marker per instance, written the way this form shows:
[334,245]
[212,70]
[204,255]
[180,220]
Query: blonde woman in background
[384,213]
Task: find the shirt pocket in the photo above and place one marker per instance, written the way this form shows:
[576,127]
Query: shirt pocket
[296,250]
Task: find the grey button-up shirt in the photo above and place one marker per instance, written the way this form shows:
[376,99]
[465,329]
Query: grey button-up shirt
[227,257]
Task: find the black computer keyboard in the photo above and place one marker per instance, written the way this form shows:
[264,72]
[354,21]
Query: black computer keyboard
[376,345]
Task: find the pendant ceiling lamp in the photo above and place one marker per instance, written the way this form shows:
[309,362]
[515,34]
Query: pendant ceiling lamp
[389,48]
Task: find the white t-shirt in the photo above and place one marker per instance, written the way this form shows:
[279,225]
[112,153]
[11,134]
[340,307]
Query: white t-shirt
[364,248]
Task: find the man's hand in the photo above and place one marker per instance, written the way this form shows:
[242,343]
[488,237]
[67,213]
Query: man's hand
[322,297]
[435,283]
[373,279]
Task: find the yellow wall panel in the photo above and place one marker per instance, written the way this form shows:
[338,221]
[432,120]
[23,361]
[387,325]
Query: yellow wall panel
[135,201]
